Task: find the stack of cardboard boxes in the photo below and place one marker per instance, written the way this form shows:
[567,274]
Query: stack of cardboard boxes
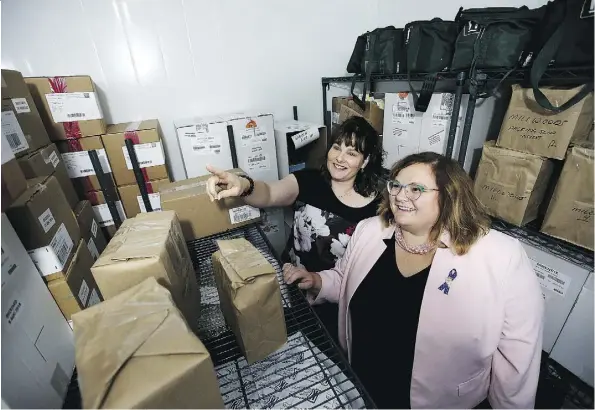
[514,172]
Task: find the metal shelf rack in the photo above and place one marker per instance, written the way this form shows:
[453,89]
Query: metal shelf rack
[309,371]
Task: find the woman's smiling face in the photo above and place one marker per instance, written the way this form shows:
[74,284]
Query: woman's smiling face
[344,162]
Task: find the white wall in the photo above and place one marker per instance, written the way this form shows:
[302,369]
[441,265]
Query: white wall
[170,59]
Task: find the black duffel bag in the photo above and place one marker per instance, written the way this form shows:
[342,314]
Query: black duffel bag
[493,37]
[564,39]
[429,46]
[377,52]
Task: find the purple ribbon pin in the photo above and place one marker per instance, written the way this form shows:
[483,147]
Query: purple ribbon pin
[445,287]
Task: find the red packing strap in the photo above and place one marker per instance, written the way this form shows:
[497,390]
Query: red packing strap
[72,128]
[133,136]
[75,146]
[92,197]
[149,186]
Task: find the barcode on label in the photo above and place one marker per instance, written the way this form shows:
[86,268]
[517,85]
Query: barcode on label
[539,275]
[244,216]
[256,159]
[77,114]
[399,114]
[198,147]
[62,252]
[561,282]
[13,140]
[447,102]
[144,163]
[441,117]
[86,170]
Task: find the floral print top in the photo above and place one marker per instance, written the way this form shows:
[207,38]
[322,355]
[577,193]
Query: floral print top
[322,225]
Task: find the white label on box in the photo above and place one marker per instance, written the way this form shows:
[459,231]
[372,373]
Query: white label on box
[104,216]
[154,199]
[15,307]
[45,260]
[93,249]
[551,279]
[251,136]
[94,228]
[402,113]
[243,214]
[305,137]
[94,299]
[78,164]
[80,106]
[9,266]
[53,158]
[11,130]
[258,162]
[20,105]
[46,220]
[206,145]
[335,117]
[84,293]
[149,154]
[62,244]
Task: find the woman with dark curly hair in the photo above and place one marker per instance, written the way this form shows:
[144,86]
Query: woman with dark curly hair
[328,202]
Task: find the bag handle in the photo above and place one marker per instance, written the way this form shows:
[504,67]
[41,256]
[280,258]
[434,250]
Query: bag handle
[370,44]
[540,64]
[421,101]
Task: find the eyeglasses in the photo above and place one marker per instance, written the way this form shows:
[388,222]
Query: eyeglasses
[412,191]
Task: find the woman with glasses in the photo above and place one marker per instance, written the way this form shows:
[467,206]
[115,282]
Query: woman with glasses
[436,310]
[328,202]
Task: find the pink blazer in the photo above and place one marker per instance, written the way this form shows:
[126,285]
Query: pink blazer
[481,339]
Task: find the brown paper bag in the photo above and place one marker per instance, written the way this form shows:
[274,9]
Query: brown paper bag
[250,298]
[136,351]
[150,245]
[511,184]
[570,213]
[527,127]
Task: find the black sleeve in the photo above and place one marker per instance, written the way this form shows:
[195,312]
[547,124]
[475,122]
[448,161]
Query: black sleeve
[310,182]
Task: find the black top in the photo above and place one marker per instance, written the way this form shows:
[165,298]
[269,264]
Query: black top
[322,224]
[384,317]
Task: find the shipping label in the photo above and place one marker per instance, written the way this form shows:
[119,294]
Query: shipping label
[258,162]
[154,199]
[46,219]
[94,298]
[401,113]
[78,164]
[204,144]
[104,216]
[20,105]
[243,213]
[149,154]
[93,249]
[11,130]
[551,279]
[251,136]
[79,106]
[9,266]
[62,244]
[54,159]
[83,293]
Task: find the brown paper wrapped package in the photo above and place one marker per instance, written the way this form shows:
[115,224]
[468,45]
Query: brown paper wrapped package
[150,244]
[570,213]
[250,298]
[511,184]
[136,351]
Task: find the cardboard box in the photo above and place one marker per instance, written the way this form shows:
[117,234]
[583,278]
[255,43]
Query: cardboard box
[148,369]
[249,291]
[21,121]
[205,140]
[199,217]
[90,232]
[511,184]
[312,155]
[529,128]
[373,113]
[13,180]
[45,162]
[102,213]
[148,147]
[150,245]
[561,281]
[69,106]
[44,221]
[574,346]
[74,288]
[37,343]
[75,154]
[570,212]
[133,201]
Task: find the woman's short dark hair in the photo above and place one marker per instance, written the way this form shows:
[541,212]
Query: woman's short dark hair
[356,132]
